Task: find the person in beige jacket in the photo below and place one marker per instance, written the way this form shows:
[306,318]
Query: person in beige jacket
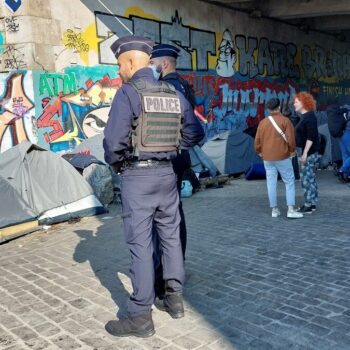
[275,143]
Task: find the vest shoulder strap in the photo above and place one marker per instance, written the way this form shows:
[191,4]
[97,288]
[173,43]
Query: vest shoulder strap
[141,86]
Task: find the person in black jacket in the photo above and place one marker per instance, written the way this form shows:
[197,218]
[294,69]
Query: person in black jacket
[307,138]
[163,63]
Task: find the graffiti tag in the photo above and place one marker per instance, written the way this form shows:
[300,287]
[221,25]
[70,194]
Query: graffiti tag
[13,58]
[12,25]
[73,40]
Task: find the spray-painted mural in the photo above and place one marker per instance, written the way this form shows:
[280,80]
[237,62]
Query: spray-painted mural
[66,108]
[233,76]
[17,121]
[74,105]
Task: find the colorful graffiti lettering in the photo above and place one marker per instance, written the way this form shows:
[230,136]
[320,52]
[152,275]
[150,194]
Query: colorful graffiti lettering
[14,106]
[242,104]
[318,63]
[234,104]
[186,38]
[51,83]
[273,59]
[74,115]
[233,75]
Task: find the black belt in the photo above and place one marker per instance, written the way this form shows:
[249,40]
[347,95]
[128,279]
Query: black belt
[145,163]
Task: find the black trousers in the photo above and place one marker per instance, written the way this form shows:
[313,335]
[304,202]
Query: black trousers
[180,165]
[150,203]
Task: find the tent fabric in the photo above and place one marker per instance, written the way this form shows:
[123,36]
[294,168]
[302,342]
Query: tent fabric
[232,152]
[87,206]
[82,161]
[42,178]
[256,172]
[13,209]
[200,162]
[94,145]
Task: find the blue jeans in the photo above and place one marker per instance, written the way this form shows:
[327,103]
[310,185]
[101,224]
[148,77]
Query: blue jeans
[285,168]
[344,143]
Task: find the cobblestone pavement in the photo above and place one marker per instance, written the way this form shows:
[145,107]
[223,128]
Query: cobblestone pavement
[253,282]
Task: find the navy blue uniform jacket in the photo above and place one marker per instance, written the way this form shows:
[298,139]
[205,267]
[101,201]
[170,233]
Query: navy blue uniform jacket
[126,107]
[181,85]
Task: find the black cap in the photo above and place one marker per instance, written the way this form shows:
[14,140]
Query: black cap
[132,42]
[273,103]
[162,50]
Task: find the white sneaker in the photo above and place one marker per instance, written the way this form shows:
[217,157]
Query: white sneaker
[275,213]
[292,214]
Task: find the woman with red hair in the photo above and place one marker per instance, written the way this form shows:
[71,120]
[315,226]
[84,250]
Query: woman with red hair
[307,139]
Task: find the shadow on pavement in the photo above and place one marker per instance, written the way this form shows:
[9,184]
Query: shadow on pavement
[252,283]
[102,249]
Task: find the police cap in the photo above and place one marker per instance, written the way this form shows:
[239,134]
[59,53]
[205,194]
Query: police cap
[132,42]
[163,50]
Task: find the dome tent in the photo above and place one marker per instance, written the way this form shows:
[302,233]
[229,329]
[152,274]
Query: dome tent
[14,211]
[232,152]
[53,190]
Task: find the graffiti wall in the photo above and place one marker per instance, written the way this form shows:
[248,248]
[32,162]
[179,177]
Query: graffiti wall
[234,69]
[17,113]
[56,110]
[73,105]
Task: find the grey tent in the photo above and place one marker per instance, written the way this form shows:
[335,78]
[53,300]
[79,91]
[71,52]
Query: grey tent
[13,209]
[49,185]
[232,152]
[94,145]
[200,162]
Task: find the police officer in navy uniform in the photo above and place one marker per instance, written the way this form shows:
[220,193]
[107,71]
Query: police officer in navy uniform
[148,123]
[163,58]
[163,62]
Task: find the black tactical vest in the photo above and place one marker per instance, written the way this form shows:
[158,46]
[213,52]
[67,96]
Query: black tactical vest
[158,127]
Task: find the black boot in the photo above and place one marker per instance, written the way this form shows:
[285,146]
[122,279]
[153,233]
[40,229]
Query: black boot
[172,304]
[138,326]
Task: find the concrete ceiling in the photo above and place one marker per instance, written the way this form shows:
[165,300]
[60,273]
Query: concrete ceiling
[328,16]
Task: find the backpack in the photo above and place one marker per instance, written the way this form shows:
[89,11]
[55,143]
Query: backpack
[337,118]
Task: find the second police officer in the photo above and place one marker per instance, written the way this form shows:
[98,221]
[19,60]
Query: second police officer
[148,123]
[163,62]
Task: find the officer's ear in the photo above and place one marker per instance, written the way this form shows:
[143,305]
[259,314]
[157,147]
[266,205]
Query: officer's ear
[165,63]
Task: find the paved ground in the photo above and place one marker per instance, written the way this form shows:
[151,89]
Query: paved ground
[253,282]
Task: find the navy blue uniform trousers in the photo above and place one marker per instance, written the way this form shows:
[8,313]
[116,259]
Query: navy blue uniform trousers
[180,164]
[150,197]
